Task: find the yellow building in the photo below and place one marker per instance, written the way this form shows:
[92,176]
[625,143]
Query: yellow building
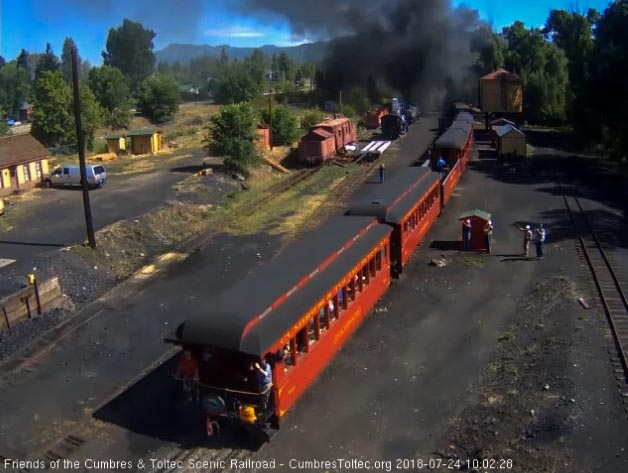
[116,143]
[510,140]
[145,141]
[501,92]
[23,163]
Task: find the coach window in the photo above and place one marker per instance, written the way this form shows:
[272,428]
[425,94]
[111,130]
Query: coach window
[378,260]
[360,279]
[365,275]
[384,253]
[336,311]
[313,328]
[352,288]
[343,293]
[317,327]
[302,340]
[327,315]
[372,267]
[293,351]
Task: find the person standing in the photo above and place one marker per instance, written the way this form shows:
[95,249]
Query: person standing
[540,240]
[441,166]
[382,171]
[264,380]
[466,234]
[188,373]
[488,233]
[527,237]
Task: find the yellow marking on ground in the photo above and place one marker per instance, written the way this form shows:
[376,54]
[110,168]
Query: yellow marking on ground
[172,256]
[150,269]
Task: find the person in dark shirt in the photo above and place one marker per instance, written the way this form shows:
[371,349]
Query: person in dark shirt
[466,234]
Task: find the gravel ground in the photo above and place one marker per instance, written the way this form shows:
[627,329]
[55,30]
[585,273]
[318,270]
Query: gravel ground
[122,249]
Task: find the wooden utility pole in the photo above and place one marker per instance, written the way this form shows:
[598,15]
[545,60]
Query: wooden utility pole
[270,120]
[80,137]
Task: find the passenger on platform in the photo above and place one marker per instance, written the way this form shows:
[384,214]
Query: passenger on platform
[527,237]
[488,233]
[539,241]
[382,172]
[264,380]
[466,234]
[441,167]
[188,372]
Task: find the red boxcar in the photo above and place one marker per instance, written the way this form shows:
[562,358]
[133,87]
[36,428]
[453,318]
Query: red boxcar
[372,119]
[409,201]
[317,146]
[297,311]
[314,147]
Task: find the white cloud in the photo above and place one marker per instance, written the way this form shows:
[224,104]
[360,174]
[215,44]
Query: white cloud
[235,32]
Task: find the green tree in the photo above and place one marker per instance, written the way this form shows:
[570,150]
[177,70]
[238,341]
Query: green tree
[285,125]
[92,115]
[310,118]
[234,84]
[53,111]
[66,58]
[286,67]
[53,120]
[357,98]
[159,98]
[232,133]
[24,63]
[256,66]
[113,94]
[130,49]
[2,61]
[14,88]
[488,49]
[4,128]
[47,62]
[608,83]
[542,67]
[224,57]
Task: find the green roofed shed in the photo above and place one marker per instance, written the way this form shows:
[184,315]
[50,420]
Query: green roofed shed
[116,143]
[479,219]
[144,141]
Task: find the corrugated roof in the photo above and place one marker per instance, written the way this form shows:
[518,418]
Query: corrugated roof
[475,213]
[233,320]
[143,132]
[453,138]
[333,122]
[505,129]
[501,74]
[18,149]
[319,132]
[391,205]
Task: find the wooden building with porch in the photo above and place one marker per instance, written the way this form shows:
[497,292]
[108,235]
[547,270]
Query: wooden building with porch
[23,163]
[145,141]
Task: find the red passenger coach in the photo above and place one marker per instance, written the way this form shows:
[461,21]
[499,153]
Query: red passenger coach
[297,310]
[409,201]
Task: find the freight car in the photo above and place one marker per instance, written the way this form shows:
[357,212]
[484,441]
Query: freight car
[325,139]
[296,311]
[372,119]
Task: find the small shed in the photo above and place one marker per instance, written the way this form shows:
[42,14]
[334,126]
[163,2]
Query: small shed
[26,110]
[501,122]
[478,218]
[116,143]
[510,140]
[263,137]
[145,141]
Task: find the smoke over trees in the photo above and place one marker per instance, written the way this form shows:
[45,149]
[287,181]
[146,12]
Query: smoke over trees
[413,47]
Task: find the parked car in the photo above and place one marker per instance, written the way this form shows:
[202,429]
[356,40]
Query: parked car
[70,175]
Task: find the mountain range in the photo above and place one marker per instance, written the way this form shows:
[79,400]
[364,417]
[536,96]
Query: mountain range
[184,53]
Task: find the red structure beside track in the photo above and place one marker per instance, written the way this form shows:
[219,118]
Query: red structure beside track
[325,139]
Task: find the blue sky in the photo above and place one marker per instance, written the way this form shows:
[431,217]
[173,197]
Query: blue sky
[30,24]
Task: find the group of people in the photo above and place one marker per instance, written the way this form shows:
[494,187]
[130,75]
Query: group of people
[536,235]
[530,235]
[187,372]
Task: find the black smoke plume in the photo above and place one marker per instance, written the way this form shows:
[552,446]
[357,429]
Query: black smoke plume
[416,47]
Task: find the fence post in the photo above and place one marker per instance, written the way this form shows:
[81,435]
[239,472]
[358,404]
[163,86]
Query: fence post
[6,318]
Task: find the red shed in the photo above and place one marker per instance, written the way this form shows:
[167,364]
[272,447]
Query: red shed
[478,218]
[317,146]
[263,137]
[342,129]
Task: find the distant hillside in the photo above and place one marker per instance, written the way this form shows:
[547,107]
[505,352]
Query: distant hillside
[184,53]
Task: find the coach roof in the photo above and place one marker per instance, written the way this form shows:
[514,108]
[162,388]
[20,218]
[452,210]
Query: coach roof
[235,321]
[390,201]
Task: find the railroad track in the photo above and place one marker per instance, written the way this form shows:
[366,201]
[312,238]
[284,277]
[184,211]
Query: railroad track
[612,295]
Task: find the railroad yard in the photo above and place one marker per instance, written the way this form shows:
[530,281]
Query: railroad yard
[468,356]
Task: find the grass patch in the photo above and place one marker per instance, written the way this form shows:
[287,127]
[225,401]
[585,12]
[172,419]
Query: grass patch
[472,261]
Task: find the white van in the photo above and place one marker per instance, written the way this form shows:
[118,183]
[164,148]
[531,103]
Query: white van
[70,175]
